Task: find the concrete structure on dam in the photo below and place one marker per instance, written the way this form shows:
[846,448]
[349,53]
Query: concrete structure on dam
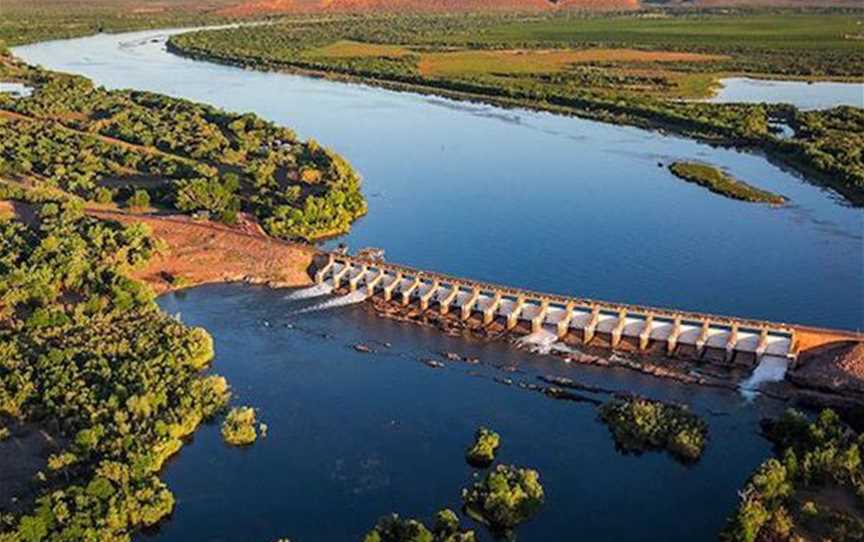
[574,320]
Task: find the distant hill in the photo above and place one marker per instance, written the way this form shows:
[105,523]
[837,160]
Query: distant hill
[257,7]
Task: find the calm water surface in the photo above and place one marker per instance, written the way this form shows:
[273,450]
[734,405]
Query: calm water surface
[536,200]
[355,436]
[529,199]
[805,95]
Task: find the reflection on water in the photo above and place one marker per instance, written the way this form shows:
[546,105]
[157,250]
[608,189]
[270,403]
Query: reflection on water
[353,436]
[803,94]
[536,200]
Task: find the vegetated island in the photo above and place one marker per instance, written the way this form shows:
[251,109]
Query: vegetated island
[722,183]
[639,424]
[812,490]
[482,452]
[238,428]
[504,498]
[634,70]
[446,528]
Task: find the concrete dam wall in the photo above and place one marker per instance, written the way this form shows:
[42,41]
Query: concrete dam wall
[575,320]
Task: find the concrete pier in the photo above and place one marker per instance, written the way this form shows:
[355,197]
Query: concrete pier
[578,320]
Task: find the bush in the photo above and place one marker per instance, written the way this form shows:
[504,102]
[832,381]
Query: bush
[506,497]
[139,200]
[392,528]
[482,452]
[640,424]
[238,428]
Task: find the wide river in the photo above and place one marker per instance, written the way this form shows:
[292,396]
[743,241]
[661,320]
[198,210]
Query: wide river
[530,199]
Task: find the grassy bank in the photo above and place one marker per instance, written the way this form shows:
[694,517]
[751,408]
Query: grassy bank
[721,183]
[587,68]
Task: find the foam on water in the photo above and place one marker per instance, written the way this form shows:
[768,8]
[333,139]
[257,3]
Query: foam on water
[770,369]
[540,342]
[341,301]
[317,290]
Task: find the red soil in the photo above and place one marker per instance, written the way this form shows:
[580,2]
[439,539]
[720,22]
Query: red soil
[835,366]
[199,252]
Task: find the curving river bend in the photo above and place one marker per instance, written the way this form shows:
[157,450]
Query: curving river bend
[517,197]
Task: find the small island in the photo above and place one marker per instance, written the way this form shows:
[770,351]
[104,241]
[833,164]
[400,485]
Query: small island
[506,497]
[639,425]
[446,528]
[482,453]
[238,428]
[720,182]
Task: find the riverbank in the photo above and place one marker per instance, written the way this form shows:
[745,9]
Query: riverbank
[199,252]
[775,149]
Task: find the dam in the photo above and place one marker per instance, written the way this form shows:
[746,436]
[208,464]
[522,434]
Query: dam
[573,320]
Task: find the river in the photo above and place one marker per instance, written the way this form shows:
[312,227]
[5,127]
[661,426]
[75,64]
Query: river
[512,196]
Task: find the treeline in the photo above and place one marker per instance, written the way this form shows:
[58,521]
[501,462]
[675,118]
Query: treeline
[828,143]
[86,354]
[106,145]
[813,489]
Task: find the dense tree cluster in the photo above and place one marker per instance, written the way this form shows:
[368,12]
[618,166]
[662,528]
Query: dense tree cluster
[639,424]
[86,353]
[238,428]
[504,498]
[482,452]
[106,145]
[782,499]
[446,528]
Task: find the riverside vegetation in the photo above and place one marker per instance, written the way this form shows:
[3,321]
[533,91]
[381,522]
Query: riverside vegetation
[138,148]
[639,424]
[813,490]
[86,354]
[238,428]
[482,452]
[625,69]
[719,182]
[446,528]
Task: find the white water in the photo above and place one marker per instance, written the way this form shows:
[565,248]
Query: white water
[312,291]
[341,301]
[542,341]
[770,369]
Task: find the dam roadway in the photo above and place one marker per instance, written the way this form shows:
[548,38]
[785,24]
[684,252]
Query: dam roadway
[575,320]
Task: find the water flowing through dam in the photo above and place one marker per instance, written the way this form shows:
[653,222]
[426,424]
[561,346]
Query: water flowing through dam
[511,196]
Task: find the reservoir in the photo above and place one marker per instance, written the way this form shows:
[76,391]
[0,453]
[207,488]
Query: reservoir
[533,200]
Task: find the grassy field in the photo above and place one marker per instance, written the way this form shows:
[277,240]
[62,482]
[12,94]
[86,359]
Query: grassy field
[707,31]
[354,49]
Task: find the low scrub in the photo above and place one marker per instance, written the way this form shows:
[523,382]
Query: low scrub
[482,452]
[722,183]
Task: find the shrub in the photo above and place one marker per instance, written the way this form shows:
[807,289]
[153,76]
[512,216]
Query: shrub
[482,452]
[639,424]
[139,200]
[238,428]
[506,497]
